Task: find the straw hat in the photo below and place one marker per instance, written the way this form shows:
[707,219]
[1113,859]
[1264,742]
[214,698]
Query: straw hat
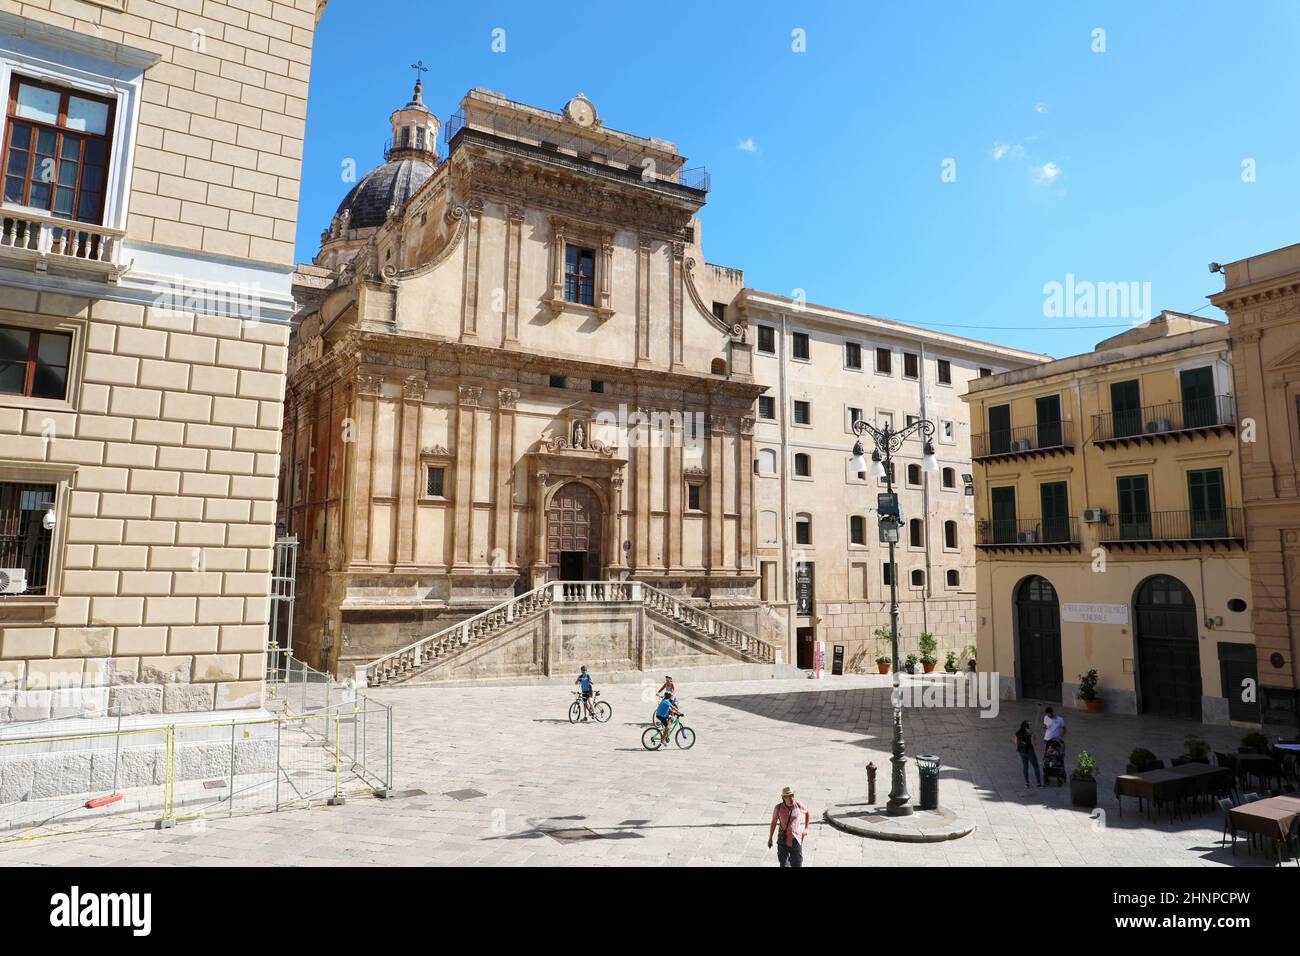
[786,792]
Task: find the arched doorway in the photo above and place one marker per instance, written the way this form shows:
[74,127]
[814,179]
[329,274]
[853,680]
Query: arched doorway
[573,534]
[1168,648]
[1038,620]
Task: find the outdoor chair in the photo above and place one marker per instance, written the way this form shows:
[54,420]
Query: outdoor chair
[1225,805]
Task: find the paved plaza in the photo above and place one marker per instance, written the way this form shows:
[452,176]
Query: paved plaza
[507,780]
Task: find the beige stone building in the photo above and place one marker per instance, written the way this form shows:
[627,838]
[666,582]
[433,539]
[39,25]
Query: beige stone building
[1261,296]
[822,567]
[150,186]
[515,366]
[1109,526]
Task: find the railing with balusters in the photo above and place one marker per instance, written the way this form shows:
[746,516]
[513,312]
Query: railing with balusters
[428,649]
[59,238]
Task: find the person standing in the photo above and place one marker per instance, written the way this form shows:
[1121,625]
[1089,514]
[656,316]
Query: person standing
[1024,739]
[792,818]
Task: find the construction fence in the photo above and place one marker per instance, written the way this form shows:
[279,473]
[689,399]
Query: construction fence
[317,742]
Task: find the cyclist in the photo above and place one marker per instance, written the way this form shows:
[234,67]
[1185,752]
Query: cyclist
[665,713]
[584,682]
[668,687]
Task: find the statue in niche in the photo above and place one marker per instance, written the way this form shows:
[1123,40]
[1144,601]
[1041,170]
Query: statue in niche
[579,436]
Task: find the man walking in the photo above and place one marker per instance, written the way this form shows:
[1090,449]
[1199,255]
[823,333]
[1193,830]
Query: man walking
[792,818]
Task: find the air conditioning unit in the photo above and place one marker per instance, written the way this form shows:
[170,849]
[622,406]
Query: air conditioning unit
[1160,425]
[1094,515]
[13,580]
[1020,444]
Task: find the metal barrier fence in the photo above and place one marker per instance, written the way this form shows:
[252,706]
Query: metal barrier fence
[86,775]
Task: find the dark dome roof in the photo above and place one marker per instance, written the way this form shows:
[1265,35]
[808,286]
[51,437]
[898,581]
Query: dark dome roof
[390,184]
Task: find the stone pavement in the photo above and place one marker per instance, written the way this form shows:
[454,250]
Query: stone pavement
[553,793]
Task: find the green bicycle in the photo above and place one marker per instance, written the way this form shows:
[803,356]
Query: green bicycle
[654,737]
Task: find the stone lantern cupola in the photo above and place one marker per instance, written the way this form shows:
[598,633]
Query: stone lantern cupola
[415,130]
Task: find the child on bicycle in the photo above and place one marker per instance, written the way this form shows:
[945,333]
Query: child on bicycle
[584,682]
[665,713]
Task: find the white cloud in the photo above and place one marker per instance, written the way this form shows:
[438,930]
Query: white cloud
[1046,173]
[747,145]
[1001,150]
[1040,107]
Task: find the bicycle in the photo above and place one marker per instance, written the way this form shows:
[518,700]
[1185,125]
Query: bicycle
[598,709]
[653,738]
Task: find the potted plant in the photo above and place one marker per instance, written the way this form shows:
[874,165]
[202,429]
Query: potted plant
[909,665]
[884,658]
[1139,760]
[1253,743]
[1088,691]
[950,662]
[882,662]
[1196,750]
[1083,781]
[927,644]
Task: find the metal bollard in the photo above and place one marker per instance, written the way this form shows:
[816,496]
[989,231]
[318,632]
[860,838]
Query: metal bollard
[871,783]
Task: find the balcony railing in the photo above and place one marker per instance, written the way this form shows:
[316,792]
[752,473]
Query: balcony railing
[1211,524]
[1043,437]
[1028,532]
[44,239]
[1171,419]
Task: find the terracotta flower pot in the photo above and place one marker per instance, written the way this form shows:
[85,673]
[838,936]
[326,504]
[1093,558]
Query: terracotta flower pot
[1094,706]
[884,668]
[928,667]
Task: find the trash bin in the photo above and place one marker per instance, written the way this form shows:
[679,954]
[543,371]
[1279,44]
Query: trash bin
[927,766]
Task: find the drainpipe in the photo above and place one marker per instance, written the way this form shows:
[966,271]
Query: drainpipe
[787,523]
[925,503]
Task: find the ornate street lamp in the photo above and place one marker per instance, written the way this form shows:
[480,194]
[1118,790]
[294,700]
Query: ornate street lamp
[887,441]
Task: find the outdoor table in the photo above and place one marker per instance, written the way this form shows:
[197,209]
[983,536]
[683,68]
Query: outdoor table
[1164,785]
[1270,818]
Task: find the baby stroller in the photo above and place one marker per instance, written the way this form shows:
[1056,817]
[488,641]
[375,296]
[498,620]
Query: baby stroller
[1054,762]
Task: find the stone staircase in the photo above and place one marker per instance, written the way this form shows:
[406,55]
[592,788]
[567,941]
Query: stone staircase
[445,646]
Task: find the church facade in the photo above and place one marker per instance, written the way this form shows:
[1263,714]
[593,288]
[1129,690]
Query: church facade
[513,366]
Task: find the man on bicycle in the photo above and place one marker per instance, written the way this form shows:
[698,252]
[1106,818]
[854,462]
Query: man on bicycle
[665,713]
[584,682]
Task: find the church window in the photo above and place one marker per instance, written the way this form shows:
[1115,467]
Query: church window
[579,275]
[437,483]
[693,497]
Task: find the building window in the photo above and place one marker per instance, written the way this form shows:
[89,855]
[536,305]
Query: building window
[579,275]
[858,581]
[884,361]
[887,574]
[852,355]
[56,151]
[803,529]
[985,372]
[436,485]
[767,339]
[597,386]
[693,497]
[950,478]
[954,579]
[720,311]
[766,461]
[718,367]
[33,362]
[945,372]
[803,465]
[918,578]
[802,413]
[911,365]
[799,345]
[766,407]
[857,530]
[947,431]
[558,381]
[913,474]
[24,539]
[916,533]
[950,534]
[855,415]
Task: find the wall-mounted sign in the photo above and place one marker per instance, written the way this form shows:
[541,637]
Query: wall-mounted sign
[1095,613]
[834,609]
[803,588]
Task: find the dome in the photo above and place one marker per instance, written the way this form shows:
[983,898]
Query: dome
[391,184]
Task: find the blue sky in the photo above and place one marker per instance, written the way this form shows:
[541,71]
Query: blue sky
[827,165]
